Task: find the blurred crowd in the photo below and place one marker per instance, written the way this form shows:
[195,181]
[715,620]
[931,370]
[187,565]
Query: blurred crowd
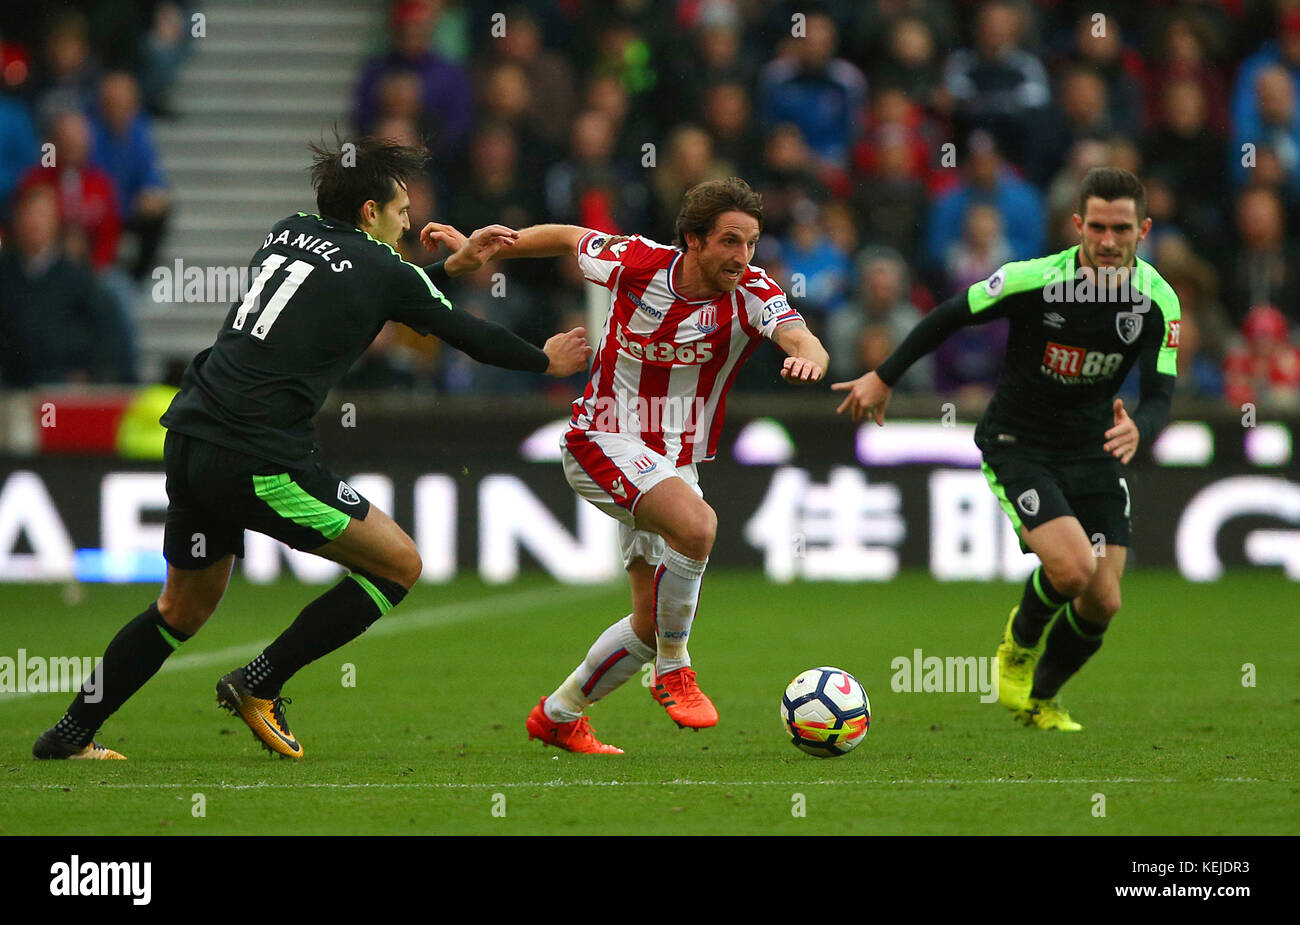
[904,149]
[84,201]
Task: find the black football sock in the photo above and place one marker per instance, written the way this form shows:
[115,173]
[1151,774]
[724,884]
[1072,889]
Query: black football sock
[335,618]
[1037,606]
[1071,642]
[132,658]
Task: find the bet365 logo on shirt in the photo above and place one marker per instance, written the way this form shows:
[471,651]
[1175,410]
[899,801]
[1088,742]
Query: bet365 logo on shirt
[1074,364]
[664,351]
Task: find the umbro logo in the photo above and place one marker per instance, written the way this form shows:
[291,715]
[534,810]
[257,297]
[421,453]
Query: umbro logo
[1053,319]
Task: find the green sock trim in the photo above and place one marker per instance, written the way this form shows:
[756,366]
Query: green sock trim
[375,594]
[1042,595]
[1069,615]
[171,640]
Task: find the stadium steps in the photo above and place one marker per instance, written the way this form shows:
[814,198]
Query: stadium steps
[263,81]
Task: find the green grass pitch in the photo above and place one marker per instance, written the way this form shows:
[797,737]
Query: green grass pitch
[430,740]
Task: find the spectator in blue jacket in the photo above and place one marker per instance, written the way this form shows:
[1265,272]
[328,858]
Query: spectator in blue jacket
[1282,51]
[1274,123]
[987,180]
[811,88]
[124,148]
[19,148]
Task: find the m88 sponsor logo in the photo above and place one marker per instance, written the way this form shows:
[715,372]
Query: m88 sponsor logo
[663,351]
[1077,365]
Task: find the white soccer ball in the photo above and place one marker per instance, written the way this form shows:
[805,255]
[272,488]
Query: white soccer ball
[826,712]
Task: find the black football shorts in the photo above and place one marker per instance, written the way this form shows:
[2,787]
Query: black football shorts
[1034,489]
[214,494]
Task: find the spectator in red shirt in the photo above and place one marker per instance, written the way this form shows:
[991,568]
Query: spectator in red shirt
[87,198]
[1265,370]
[1186,56]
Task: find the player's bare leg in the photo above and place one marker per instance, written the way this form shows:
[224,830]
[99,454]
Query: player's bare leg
[1101,600]
[1065,555]
[688,525]
[376,546]
[188,598]
[384,565]
[1090,582]
[1077,633]
[613,659]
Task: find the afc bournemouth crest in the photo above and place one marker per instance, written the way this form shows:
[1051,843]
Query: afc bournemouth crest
[708,320]
[1129,326]
[347,495]
[1028,501]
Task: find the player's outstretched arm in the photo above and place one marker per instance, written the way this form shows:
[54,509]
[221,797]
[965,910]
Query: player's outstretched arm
[468,254]
[868,396]
[545,241]
[807,359]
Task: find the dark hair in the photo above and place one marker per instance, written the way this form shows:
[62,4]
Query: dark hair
[704,202]
[349,174]
[1111,183]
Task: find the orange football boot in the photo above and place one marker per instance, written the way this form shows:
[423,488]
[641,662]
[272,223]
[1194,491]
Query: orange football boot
[686,704]
[264,717]
[576,736]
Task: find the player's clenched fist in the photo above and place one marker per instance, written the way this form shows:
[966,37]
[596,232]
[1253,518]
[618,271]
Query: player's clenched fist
[568,353]
[800,371]
[868,396]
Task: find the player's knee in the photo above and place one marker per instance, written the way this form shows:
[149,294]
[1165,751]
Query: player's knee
[1107,604]
[1072,577]
[698,531]
[187,612]
[408,565]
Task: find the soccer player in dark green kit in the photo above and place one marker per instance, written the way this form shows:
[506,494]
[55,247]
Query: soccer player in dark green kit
[240,454]
[1054,437]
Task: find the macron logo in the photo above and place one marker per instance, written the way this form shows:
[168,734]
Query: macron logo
[103,878]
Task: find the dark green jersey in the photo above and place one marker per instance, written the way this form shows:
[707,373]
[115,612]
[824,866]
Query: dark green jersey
[320,291]
[1071,342]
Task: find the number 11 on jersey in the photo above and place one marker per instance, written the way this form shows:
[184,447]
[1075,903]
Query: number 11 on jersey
[297,272]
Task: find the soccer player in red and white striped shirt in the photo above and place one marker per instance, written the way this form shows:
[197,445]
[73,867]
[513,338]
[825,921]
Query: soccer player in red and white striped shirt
[681,322]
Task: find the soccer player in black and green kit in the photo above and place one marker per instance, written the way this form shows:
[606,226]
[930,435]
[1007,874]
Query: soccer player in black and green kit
[1054,437]
[239,451]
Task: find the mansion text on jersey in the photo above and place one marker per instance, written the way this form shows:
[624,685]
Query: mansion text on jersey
[1106,285]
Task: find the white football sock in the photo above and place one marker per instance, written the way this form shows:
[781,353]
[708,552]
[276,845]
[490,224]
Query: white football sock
[616,655]
[677,591]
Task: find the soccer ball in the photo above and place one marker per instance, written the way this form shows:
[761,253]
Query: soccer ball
[826,712]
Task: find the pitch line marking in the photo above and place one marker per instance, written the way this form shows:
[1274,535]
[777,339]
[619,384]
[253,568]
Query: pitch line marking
[680,782]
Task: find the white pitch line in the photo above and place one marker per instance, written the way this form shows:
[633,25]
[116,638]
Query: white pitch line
[555,784]
[400,622]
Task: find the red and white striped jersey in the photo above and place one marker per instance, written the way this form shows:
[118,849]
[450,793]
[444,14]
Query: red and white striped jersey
[665,362]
